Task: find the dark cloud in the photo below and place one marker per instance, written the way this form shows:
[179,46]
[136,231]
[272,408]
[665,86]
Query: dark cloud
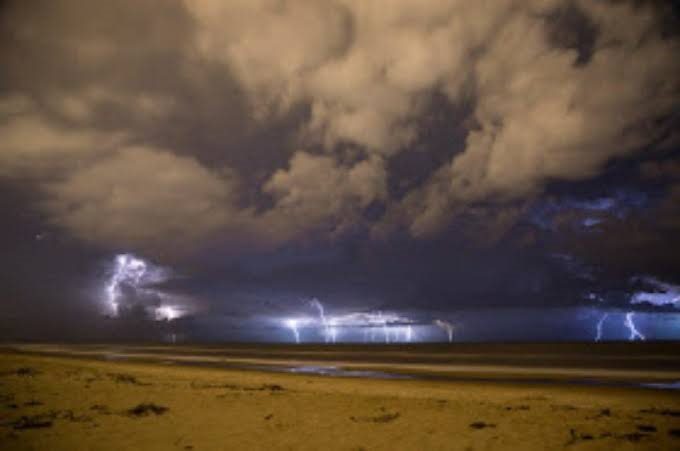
[430,155]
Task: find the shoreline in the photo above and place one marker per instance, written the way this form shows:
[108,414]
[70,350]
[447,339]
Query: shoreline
[636,374]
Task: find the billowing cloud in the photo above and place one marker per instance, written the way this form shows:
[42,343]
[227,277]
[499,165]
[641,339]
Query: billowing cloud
[142,196]
[662,294]
[560,88]
[541,117]
[364,70]
[316,191]
[35,148]
[182,121]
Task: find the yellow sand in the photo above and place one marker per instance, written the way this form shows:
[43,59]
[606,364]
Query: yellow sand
[85,404]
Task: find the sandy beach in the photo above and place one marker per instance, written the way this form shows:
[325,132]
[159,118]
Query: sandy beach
[66,403]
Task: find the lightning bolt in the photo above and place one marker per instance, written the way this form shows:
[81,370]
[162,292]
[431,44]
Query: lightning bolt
[126,269]
[292,324]
[600,323]
[409,333]
[385,330]
[379,326]
[630,324]
[328,334]
[446,326]
[133,272]
[332,330]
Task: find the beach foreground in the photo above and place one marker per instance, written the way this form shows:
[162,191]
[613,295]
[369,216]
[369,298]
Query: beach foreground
[67,403]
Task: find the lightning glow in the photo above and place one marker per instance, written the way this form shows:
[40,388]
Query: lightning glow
[167,313]
[664,294]
[133,282]
[127,269]
[379,326]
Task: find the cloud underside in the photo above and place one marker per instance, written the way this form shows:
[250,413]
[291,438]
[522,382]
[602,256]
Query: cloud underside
[271,121]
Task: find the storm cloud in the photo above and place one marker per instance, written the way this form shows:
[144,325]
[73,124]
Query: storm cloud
[242,129]
[362,74]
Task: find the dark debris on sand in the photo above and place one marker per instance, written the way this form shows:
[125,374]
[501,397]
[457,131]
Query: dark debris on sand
[27,372]
[145,409]
[384,418]
[235,387]
[481,425]
[633,436]
[123,378]
[605,413]
[271,387]
[33,422]
[664,412]
[520,407]
[563,407]
[575,437]
[100,408]
[46,419]
[70,416]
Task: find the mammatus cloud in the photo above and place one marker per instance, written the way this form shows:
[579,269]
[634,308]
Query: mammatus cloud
[549,98]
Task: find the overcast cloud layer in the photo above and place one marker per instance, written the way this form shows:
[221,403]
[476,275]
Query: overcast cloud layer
[170,128]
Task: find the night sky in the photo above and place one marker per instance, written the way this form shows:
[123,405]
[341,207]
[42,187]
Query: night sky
[274,170]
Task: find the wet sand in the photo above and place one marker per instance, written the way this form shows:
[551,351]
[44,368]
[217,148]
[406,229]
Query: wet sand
[80,401]
[614,364]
